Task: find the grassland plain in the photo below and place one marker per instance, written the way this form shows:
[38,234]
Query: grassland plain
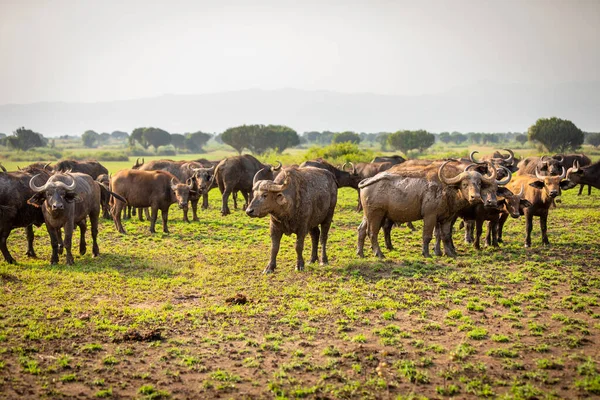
[189,315]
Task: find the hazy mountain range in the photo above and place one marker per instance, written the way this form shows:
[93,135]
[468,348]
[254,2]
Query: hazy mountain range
[483,107]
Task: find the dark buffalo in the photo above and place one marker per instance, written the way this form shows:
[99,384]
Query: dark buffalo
[104,180]
[342,177]
[15,212]
[184,171]
[589,175]
[154,189]
[568,160]
[513,206]
[395,159]
[540,190]
[499,160]
[298,200]
[67,200]
[413,195]
[543,165]
[236,174]
[92,168]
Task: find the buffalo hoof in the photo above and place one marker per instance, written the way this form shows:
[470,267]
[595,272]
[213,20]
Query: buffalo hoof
[313,260]
[95,251]
[70,261]
[426,255]
[10,260]
[268,270]
[300,267]
[527,245]
[360,253]
[31,254]
[500,241]
[54,261]
[82,250]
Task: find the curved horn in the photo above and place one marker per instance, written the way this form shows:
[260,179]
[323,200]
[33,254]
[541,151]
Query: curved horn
[172,182]
[35,188]
[573,169]
[511,158]
[561,159]
[344,166]
[280,188]
[472,165]
[492,174]
[353,168]
[254,180]
[472,156]
[72,185]
[190,183]
[564,174]
[537,174]
[448,181]
[278,167]
[508,177]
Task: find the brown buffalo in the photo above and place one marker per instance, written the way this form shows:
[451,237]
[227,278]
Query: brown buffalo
[540,190]
[415,195]
[512,205]
[66,201]
[568,160]
[589,175]
[154,189]
[299,200]
[104,180]
[543,165]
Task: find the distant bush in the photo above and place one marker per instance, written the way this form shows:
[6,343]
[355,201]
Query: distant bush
[137,152]
[97,155]
[41,153]
[166,151]
[340,153]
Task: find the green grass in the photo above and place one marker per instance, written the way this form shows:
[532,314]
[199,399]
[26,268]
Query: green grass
[151,312]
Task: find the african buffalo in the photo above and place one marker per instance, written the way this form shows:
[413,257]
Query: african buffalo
[567,160]
[92,168]
[543,165]
[540,190]
[15,212]
[154,189]
[395,159]
[415,195]
[236,174]
[104,180]
[66,199]
[298,200]
[512,205]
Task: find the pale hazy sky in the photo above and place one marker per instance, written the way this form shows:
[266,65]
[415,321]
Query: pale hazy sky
[113,50]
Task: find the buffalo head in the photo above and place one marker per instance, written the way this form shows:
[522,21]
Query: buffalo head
[57,193]
[183,191]
[268,197]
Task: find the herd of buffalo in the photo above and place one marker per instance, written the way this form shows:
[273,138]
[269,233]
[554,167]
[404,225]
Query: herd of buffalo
[299,199]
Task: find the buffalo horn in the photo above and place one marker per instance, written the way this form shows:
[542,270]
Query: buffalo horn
[254,179]
[70,187]
[508,177]
[472,156]
[34,187]
[522,190]
[279,188]
[190,183]
[173,183]
[344,166]
[564,173]
[353,168]
[448,181]
[573,169]
[492,174]
[511,158]
[278,167]
[561,159]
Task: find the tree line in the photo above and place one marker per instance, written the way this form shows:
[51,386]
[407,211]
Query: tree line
[554,134]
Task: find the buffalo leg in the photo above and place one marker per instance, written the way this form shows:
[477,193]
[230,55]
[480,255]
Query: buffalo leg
[140,212]
[359,206]
[589,190]
[247,199]
[373,228]
[501,222]
[94,228]
[235,199]
[469,229]
[314,236]
[362,234]
[195,209]
[165,217]
[30,237]
[224,206]
[68,241]
[117,208]
[205,201]
[3,236]
[429,223]
[185,214]
[437,248]
[299,248]
[324,236]
[410,226]
[544,228]
[275,242]
[528,227]
[153,218]
[445,230]
[478,232]
[82,228]
[580,189]
[387,233]
[53,243]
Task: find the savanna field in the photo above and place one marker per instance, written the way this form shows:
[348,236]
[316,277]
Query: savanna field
[190,314]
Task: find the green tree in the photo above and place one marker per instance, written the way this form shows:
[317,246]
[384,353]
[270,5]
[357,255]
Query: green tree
[312,137]
[137,135]
[195,141]
[593,139]
[90,138]
[347,136]
[521,138]
[382,139]
[119,135]
[281,137]
[475,137]
[556,135]
[458,137]
[25,139]
[406,141]
[178,140]
[156,137]
[445,137]
[237,137]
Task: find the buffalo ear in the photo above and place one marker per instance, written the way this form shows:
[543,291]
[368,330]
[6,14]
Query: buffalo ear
[281,200]
[525,203]
[564,185]
[537,184]
[37,199]
[71,197]
[503,192]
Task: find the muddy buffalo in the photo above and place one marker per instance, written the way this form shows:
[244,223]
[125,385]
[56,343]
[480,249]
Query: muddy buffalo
[299,200]
[66,201]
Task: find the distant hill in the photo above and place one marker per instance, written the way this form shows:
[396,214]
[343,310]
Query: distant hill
[483,107]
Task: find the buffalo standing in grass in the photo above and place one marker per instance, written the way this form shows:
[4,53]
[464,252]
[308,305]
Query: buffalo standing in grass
[15,212]
[154,189]
[66,201]
[91,168]
[236,174]
[543,165]
[568,160]
[299,200]
[104,180]
[540,191]
[589,175]
[512,205]
[413,196]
